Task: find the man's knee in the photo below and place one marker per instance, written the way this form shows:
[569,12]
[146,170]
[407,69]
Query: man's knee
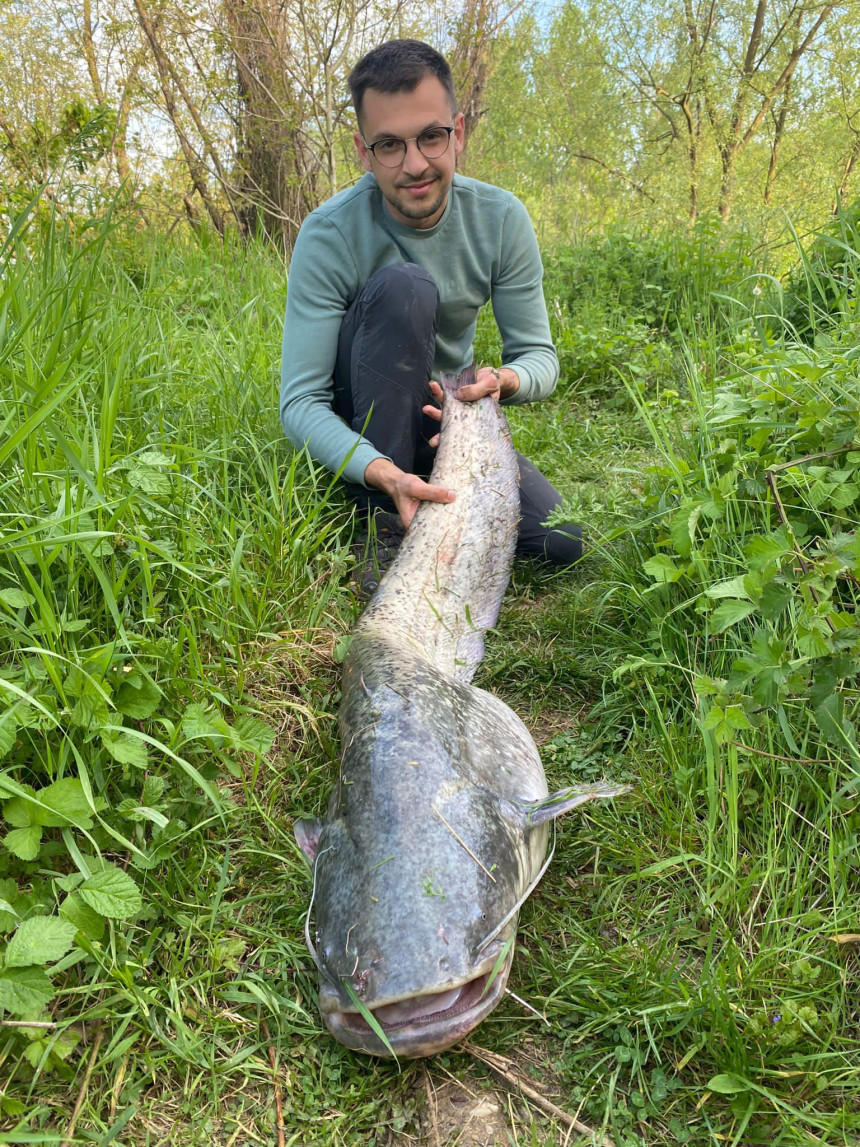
[558,545]
[403,289]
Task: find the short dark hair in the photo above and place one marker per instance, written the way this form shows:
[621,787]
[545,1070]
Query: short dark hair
[399,66]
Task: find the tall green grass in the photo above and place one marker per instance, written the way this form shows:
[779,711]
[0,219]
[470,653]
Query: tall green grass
[156,536]
[171,594]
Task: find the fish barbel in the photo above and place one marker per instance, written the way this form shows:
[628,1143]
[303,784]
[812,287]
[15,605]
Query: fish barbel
[437,830]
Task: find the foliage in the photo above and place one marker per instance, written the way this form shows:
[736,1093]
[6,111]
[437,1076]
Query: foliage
[821,291]
[171,598]
[141,536]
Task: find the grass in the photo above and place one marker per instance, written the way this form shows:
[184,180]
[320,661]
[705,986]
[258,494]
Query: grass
[172,593]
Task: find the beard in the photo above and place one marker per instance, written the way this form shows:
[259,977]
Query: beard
[411,210]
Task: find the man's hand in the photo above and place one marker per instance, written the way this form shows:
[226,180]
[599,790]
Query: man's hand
[407,491]
[495,383]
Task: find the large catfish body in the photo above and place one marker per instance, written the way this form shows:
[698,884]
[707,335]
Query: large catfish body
[437,829]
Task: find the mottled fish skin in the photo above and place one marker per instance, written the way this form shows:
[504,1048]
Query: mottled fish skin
[446,586]
[436,830]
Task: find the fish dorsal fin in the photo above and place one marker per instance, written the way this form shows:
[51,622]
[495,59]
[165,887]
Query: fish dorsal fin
[541,811]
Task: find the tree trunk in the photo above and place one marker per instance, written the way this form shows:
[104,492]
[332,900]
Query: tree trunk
[196,166]
[778,133]
[737,137]
[275,192]
[470,57]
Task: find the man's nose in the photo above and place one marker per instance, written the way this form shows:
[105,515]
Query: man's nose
[414,162]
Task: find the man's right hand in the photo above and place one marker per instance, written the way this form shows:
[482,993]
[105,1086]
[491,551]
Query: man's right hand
[407,491]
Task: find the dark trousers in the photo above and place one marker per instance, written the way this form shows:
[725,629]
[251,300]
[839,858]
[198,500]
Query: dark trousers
[384,362]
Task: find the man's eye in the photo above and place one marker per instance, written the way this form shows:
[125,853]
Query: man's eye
[434,135]
[388,146]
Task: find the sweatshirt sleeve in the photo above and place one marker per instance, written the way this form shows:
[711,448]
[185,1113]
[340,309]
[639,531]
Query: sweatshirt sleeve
[322,281]
[520,309]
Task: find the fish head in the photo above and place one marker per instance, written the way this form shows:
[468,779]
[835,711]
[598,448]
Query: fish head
[414,931]
[413,937]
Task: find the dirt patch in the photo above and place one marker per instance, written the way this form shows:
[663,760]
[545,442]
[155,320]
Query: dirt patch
[470,1106]
[464,1112]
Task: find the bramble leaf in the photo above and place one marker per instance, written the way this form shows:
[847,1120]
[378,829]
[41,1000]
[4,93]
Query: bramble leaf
[253,735]
[729,613]
[83,917]
[137,697]
[127,749]
[24,991]
[111,892]
[39,940]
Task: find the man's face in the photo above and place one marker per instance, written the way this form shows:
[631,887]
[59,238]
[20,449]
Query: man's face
[416,191]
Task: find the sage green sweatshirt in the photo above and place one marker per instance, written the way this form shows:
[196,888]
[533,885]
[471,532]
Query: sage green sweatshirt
[483,247]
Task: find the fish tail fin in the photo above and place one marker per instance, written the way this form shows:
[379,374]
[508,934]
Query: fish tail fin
[451,383]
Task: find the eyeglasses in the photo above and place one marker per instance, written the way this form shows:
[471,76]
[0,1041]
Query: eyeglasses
[392,151]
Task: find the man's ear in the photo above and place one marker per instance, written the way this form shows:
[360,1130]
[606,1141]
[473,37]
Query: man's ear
[459,132]
[363,153]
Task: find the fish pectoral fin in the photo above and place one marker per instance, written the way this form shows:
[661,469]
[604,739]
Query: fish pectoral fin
[307,833]
[539,812]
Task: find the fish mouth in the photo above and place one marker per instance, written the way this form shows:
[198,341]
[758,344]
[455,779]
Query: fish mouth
[422,1025]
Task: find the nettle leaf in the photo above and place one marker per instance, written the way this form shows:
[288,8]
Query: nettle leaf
[84,918]
[138,697]
[24,842]
[111,892]
[253,735]
[24,991]
[90,712]
[662,569]
[39,940]
[729,613]
[17,598]
[154,458]
[127,749]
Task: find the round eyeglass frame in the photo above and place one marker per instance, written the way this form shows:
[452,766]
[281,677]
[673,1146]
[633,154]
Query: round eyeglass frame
[371,147]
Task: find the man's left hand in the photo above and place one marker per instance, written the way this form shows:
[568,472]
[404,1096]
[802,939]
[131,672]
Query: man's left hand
[496,384]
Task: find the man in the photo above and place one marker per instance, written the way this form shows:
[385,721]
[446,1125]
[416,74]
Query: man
[385,285]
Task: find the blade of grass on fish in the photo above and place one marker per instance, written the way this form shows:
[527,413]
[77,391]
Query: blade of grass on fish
[371,1020]
[499,964]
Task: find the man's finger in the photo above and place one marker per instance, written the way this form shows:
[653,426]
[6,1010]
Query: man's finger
[476,390]
[430,493]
